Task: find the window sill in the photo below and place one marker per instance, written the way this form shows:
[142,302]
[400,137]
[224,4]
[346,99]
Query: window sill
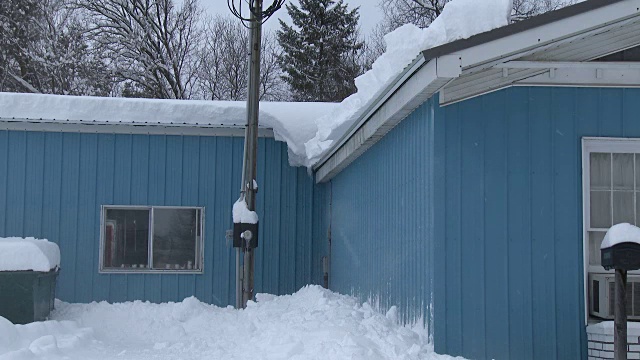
[157,272]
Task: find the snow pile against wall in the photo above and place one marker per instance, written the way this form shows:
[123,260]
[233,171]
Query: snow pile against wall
[460,19]
[291,122]
[314,323]
[18,254]
[621,233]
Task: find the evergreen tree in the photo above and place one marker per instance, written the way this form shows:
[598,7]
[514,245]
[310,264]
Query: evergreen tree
[320,50]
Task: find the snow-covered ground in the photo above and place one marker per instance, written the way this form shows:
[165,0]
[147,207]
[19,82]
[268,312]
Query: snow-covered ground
[314,323]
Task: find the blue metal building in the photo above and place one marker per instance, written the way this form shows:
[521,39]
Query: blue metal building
[474,192]
[57,175]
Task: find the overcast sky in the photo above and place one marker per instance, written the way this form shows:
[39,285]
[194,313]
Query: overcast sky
[370,13]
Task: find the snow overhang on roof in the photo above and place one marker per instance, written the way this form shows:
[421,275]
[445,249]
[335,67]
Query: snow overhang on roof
[550,49]
[286,121]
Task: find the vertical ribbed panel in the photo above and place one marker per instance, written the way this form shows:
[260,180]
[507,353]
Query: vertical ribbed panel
[381,226]
[53,184]
[321,226]
[509,268]
[501,231]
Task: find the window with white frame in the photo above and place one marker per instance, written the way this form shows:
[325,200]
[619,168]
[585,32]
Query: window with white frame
[611,190]
[151,238]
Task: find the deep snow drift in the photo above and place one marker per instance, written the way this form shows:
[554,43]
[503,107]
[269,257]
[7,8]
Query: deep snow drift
[460,19]
[312,324]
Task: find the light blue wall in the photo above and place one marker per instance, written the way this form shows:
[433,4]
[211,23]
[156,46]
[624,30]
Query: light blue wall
[483,197]
[381,226]
[510,237]
[52,186]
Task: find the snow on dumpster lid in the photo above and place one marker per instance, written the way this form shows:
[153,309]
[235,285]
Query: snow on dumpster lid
[619,234]
[291,122]
[23,254]
[460,19]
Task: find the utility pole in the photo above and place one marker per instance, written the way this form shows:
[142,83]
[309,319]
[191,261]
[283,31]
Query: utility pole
[251,141]
[246,234]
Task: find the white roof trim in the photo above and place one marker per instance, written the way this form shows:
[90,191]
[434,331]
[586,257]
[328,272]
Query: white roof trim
[569,65]
[398,103]
[588,43]
[93,127]
[513,46]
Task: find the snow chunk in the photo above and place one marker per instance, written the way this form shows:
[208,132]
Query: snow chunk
[291,122]
[242,214]
[619,234]
[460,19]
[18,254]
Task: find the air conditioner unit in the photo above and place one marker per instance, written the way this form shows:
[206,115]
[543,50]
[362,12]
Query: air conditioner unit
[602,289]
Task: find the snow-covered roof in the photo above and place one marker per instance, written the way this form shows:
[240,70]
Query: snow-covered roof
[18,254]
[460,19]
[291,122]
[468,51]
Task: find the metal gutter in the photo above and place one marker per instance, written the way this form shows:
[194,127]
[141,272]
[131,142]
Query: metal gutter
[101,127]
[391,89]
[417,86]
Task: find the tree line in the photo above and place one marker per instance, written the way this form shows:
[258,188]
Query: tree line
[170,49]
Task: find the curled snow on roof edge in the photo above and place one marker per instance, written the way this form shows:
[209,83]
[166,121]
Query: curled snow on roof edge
[293,123]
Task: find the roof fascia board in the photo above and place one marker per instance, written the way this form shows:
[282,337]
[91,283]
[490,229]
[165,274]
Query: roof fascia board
[517,27]
[547,33]
[121,128]
[373,107]
[622,65]
[417,89]
[601,76]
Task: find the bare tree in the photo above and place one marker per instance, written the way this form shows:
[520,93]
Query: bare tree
[422,12]
[44,48]
[222,73]
[418,12]
[152,44]
[374,46]
[524,9]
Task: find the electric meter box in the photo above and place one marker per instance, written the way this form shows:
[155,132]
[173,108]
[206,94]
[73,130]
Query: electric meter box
[240,231]
[622,256]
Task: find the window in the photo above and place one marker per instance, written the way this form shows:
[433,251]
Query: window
[611,190]
[611,195]
[151,239]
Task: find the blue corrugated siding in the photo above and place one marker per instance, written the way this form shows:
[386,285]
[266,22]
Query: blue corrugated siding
[500,175]
[52,186]
[321,230]
[381,221]
[510,241]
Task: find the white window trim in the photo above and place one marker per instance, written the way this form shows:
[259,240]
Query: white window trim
[199,246]
[591,145]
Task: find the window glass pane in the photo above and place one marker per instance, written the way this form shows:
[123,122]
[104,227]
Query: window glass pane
[623,171]
[175,238]
[126,239]
[637,208]
[600,171]
[637,157]
[623,208]
[595,239]
[600,209]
